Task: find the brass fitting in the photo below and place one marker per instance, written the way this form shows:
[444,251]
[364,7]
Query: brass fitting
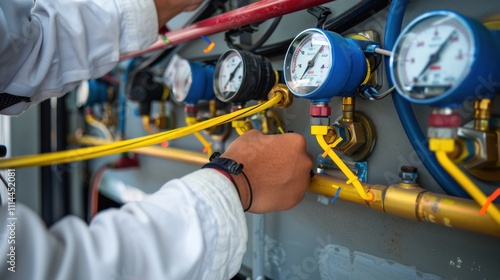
[482,114]
[287,98]
[357,137]
[161,120]
[356,134]
[486,152]
[331,135]
[348,108]
[400,200]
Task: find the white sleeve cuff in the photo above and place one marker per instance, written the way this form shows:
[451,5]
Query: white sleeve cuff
[139,27]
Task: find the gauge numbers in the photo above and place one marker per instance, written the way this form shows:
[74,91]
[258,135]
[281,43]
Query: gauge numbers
[310,64]
[433,56]
[231,75]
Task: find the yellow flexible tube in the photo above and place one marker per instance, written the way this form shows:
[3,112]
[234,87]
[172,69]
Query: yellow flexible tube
[127,145]
[92,121]
[352,179]
[466,183]
[207,146]
[146,123]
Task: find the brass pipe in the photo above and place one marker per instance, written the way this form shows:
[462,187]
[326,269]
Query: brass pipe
[413,203]
[403,200]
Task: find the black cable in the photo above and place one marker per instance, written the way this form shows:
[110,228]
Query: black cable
[352,17]
[257,44]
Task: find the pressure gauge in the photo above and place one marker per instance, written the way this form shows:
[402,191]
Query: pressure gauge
[321,64]
[91,92]
[193,82]
[441,58]
[241,76]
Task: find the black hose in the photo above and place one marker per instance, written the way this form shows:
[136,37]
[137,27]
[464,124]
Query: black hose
[257,44]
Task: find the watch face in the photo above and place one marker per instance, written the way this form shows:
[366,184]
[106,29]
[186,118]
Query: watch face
[182,81]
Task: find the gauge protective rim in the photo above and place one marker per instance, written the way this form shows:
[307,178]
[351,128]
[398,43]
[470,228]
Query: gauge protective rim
[288,58]
[473,57]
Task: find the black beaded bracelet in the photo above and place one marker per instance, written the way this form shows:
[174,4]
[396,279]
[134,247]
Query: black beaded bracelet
[229,166]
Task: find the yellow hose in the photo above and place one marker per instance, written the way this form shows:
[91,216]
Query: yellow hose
[207,146]
[92,121]
[466,183]
[146,123]
[352,179]
[127,145]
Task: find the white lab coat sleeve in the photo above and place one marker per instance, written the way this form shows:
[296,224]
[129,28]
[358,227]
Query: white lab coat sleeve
[48,46]
[192,228]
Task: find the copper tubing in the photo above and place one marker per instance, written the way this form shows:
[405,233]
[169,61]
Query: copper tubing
[412,202]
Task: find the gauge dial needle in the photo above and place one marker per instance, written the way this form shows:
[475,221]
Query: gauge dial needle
[437,55]
[231,76]
[310,63]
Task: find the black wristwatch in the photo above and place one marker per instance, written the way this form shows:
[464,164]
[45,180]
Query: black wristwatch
[225,164]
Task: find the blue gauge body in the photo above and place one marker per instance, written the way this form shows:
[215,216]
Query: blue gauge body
[98,93]
[344,60]
[480,77]
[202,83]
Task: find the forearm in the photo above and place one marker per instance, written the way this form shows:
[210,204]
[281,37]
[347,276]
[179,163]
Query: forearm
[50,46]
[193,228]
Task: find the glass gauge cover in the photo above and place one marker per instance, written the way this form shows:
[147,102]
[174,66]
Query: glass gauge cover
[182,81]
[438,58]
[241,76]
[82,94]
[321,64]
[229,76]
[309,62]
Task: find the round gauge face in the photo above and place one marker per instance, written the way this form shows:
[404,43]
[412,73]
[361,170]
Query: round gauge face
[229,75]
[432,56]
[308,62]
[182,81]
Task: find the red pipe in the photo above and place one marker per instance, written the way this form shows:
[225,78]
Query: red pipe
[256,12]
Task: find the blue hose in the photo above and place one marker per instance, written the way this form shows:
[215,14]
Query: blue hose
[405,111]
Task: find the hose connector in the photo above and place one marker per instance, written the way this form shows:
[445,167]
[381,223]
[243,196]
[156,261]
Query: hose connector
[287,97]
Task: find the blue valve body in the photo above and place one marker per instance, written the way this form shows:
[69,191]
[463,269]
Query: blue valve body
[202,85]
[348,68]
[98,93]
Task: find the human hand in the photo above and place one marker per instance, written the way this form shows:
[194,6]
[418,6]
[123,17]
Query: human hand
[167,9]
[278,168]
